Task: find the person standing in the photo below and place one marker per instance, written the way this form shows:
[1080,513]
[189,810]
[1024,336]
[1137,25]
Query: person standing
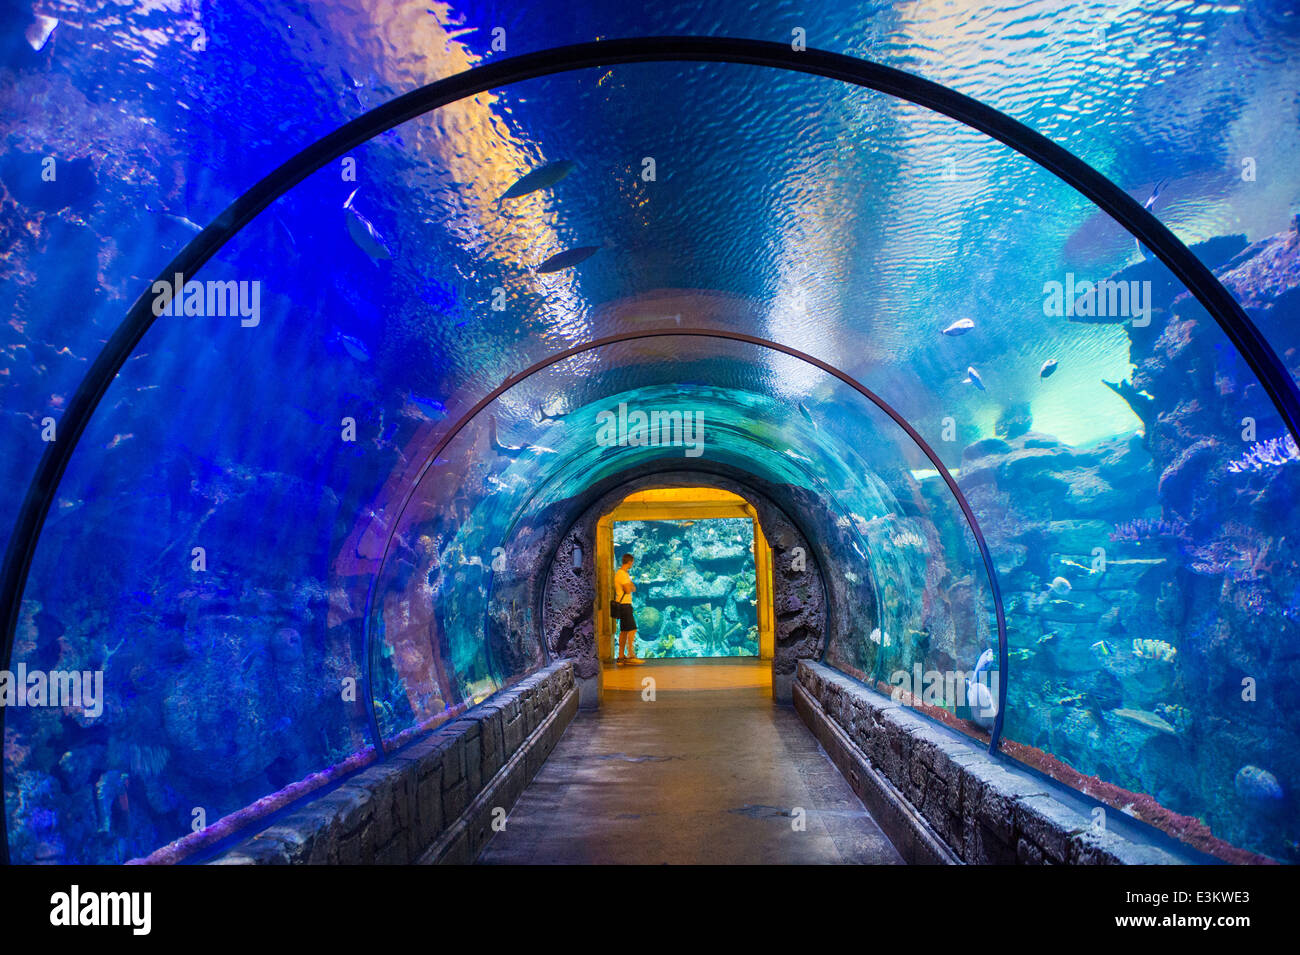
[621,610]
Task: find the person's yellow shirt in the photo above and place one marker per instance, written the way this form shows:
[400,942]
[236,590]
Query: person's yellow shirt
[622,586]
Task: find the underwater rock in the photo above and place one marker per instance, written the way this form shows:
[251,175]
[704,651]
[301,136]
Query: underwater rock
[1141,403]
[286,646]
[1184,480]
[73,187]
[1102,690]
[983,448]
[1014,421]
[1179,717]
[1258,787]
[648,621]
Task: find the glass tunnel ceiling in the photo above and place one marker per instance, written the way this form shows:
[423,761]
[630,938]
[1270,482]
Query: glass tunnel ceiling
[835,220]
[1151,106]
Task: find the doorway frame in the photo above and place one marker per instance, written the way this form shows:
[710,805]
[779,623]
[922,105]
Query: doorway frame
[676,504]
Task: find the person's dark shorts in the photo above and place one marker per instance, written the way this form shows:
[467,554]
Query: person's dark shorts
[623,614]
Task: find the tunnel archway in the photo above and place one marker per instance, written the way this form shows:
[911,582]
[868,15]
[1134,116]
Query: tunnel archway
[414,487]
[36,507]
[804,606]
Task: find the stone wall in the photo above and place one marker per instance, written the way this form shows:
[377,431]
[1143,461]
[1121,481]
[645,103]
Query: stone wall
[941,798]
[435,800]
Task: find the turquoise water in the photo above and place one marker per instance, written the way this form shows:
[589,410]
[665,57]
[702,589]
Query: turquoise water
[1143,534]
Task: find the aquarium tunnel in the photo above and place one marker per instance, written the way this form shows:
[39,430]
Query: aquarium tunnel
[926,356]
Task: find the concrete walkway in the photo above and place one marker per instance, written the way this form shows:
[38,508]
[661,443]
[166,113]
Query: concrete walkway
[694,776]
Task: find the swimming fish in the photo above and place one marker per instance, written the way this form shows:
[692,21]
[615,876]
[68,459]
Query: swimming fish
[983,705]
[1060,586]
[973,378]
[540,178]
[567,259]
[959,327]
[364,233]
[1048,369]
[181,221]
[430,408]
[352,346]
[1151,201]
[506,450]
[807,415]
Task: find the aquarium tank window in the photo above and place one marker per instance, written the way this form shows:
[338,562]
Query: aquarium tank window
[696,586]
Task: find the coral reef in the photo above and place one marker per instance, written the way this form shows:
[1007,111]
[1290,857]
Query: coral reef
[697,593]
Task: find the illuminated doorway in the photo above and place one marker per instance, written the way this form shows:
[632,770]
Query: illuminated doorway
[703,575]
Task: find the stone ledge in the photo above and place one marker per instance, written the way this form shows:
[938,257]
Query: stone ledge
[465,839]
[941,798]
[397,811]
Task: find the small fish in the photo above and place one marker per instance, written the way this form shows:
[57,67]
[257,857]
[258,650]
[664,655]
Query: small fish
[364,233]
[973,378]
[1048,369]
[181,221]
[509,451]
[352,346]
[1047,638]
[1151,201]
[39,30]
[540,178]
[959,327]
[1067,700]
[567,259]
[807,415]
[429,407]
[1102,649]
[1060,586]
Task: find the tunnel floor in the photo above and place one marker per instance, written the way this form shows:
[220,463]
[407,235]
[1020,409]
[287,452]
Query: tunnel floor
[709,772]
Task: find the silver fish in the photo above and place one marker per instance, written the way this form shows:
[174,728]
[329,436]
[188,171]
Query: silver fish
[352,346]
[540,178]
[431,408]
[364,233]
[973,378]
[959,327]
[1151,201]
[1048,369]
[567,259]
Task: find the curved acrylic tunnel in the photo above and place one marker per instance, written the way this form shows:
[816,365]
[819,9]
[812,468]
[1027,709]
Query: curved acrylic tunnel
[254,523]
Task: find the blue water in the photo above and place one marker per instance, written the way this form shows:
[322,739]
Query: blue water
[833,220]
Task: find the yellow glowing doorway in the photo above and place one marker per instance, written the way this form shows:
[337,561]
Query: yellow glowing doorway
[674,504]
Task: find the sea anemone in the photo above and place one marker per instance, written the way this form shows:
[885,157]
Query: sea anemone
[1270,453]
[1146,529]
